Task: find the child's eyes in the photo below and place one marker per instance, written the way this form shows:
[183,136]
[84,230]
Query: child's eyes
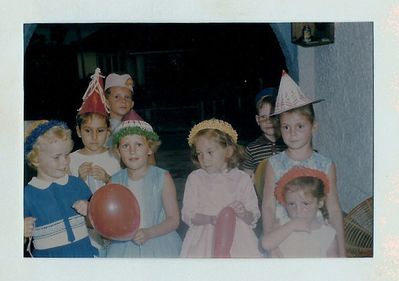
[124,146]
[284,127]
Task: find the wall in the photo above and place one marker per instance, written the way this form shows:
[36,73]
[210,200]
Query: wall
[342,74]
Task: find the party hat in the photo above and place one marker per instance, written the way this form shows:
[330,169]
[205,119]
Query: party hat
[131,115]
[290,96]
[94,99]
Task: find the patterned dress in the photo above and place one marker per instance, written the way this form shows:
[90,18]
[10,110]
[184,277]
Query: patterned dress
[59,230]
[281,163]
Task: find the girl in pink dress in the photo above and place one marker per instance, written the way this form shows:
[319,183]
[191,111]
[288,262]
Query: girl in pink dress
[218,183]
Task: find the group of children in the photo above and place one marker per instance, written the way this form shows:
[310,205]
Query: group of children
[300,211]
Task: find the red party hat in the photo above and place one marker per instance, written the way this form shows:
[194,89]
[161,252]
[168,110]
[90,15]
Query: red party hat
[94,99]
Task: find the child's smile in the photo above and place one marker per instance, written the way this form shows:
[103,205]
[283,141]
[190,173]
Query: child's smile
[53,160]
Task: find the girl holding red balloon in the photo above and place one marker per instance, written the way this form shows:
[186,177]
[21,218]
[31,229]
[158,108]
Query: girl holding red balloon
[155,191]
[220,204]
[54,203]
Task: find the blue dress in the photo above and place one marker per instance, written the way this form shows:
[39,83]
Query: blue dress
[151,213]
[59,230]
[281,163]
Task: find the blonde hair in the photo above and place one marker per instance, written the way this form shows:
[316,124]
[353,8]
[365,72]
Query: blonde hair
[223,139]
[54,134]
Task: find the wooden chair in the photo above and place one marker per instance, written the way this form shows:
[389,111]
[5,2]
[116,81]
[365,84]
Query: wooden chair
[259,178]
[358,228]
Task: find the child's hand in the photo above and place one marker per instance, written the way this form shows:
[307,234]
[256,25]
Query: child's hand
[242,212]
[238,208]
[81,207]
[29,225]
[84,170]
[141,236]
[300,224]
[99,174]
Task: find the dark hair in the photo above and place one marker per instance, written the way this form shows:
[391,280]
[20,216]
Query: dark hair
[309,185]
[85,117]
[225,141]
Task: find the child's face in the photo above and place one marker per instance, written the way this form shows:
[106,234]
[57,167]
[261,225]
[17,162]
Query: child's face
[134,152]
[264,121]
[120,101]
[301,205]
[53,160]
[94,133]
[296,130]
[211,155]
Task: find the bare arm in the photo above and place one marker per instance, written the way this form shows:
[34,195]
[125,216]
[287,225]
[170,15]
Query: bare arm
[274,238]
[172,214]
[335,212]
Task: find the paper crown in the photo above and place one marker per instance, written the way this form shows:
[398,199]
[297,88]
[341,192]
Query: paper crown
[116,80]
[131,115]
[94,99]
[297,172]
[212,124]
[290,96]
[134,127]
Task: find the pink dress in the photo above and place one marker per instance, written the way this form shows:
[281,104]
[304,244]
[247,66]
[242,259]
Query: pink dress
[208,194]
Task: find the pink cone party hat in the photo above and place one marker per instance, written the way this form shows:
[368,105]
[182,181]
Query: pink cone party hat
[131,115]
[290,96]
[94,99]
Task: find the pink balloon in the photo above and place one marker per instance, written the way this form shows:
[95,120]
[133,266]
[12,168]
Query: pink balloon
[224,232]
[114,212]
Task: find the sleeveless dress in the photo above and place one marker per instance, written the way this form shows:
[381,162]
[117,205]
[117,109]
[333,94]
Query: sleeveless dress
[151,213]
[281,163]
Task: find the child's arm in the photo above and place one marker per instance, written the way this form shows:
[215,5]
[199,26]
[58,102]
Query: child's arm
[81,207]
[332,251]
[274,238]
[335,212]
[172,214]
[242,212]
[268,203]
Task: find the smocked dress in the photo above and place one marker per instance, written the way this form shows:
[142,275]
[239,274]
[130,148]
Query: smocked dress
[208,194]
[59,230]
[152,212]
[281,163]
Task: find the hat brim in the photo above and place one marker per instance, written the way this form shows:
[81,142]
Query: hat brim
[282,110]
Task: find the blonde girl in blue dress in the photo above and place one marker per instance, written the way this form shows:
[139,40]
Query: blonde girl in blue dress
[155,191]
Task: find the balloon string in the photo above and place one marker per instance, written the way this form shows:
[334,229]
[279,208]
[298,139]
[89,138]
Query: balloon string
[28,248]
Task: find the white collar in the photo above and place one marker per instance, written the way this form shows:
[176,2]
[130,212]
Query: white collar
[42,184]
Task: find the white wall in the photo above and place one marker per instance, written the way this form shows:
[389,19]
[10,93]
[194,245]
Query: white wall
[342,74]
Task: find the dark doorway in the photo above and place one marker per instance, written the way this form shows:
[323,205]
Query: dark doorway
[183,72]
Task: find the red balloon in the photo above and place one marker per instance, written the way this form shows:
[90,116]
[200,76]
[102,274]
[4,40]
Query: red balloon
[114,212]
[224,232]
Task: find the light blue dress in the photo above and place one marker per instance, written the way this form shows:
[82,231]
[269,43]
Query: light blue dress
[281,163]
[151,213]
